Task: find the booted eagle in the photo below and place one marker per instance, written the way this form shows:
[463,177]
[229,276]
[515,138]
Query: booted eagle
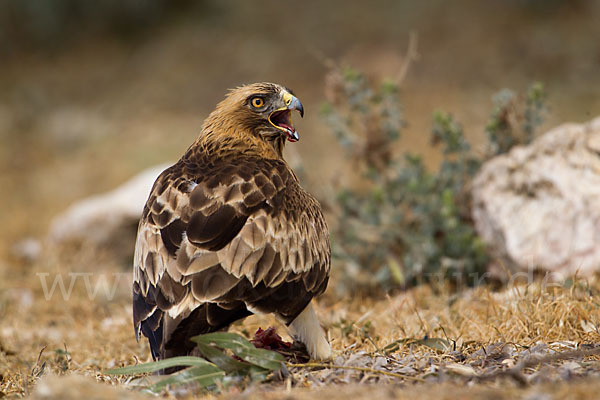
[227,231]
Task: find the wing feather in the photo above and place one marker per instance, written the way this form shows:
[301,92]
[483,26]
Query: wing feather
[212,283]
[231,236]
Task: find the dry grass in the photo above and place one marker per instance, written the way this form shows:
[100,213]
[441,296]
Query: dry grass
[489,334]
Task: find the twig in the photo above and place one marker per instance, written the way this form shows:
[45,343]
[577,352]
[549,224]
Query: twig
[40,355]
[37,368]
[411,55]
[67,356]
[361,369]
[25,383]
[423,327]
[323,59]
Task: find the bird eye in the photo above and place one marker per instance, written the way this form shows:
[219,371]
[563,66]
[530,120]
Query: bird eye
[257,102]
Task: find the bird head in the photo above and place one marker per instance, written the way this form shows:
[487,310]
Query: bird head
[262,109]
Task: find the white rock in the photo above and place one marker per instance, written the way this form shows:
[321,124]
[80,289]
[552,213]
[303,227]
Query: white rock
[96,219]
[538,206]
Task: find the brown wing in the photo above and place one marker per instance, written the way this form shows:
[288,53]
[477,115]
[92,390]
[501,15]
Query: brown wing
[218,239]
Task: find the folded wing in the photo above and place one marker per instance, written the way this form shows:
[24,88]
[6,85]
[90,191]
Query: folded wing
[218,240]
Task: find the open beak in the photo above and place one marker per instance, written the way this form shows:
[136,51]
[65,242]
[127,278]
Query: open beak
[281,118]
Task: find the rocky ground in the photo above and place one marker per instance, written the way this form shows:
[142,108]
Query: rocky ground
[532,338]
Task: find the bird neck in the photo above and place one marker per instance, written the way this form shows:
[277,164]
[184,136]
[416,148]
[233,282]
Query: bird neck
[277,143]
[226,132]
[236,141]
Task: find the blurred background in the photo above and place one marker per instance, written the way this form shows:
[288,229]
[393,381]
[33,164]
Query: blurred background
[94,92]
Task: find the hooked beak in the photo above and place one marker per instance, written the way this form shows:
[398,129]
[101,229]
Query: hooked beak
[293,103]
[281,118]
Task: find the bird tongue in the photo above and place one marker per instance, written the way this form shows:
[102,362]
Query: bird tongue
[292,135]
[282,120]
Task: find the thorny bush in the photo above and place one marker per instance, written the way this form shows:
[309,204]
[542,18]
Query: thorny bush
[399,223]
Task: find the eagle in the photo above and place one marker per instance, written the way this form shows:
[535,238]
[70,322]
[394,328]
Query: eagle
[228,231]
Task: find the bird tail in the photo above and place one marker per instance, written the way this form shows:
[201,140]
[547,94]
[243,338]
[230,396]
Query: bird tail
[307,329]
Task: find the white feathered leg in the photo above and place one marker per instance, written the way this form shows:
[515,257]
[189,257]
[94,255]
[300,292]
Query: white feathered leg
[306,328]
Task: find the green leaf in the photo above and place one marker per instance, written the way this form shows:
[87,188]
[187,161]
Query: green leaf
[158,365]
[389,87]
[395,345]
[438,344]
[242,348]
[396,270]
[224,361]
[205,376]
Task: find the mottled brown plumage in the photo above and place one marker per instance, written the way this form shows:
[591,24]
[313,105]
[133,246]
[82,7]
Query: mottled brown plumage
[228,231]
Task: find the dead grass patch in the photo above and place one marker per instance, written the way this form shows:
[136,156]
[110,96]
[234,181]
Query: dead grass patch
[426,340]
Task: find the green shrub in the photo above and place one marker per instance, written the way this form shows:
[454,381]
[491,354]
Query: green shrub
[399,223]
[514,118]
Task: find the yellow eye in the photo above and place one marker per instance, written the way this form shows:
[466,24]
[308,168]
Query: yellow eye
[257,102]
